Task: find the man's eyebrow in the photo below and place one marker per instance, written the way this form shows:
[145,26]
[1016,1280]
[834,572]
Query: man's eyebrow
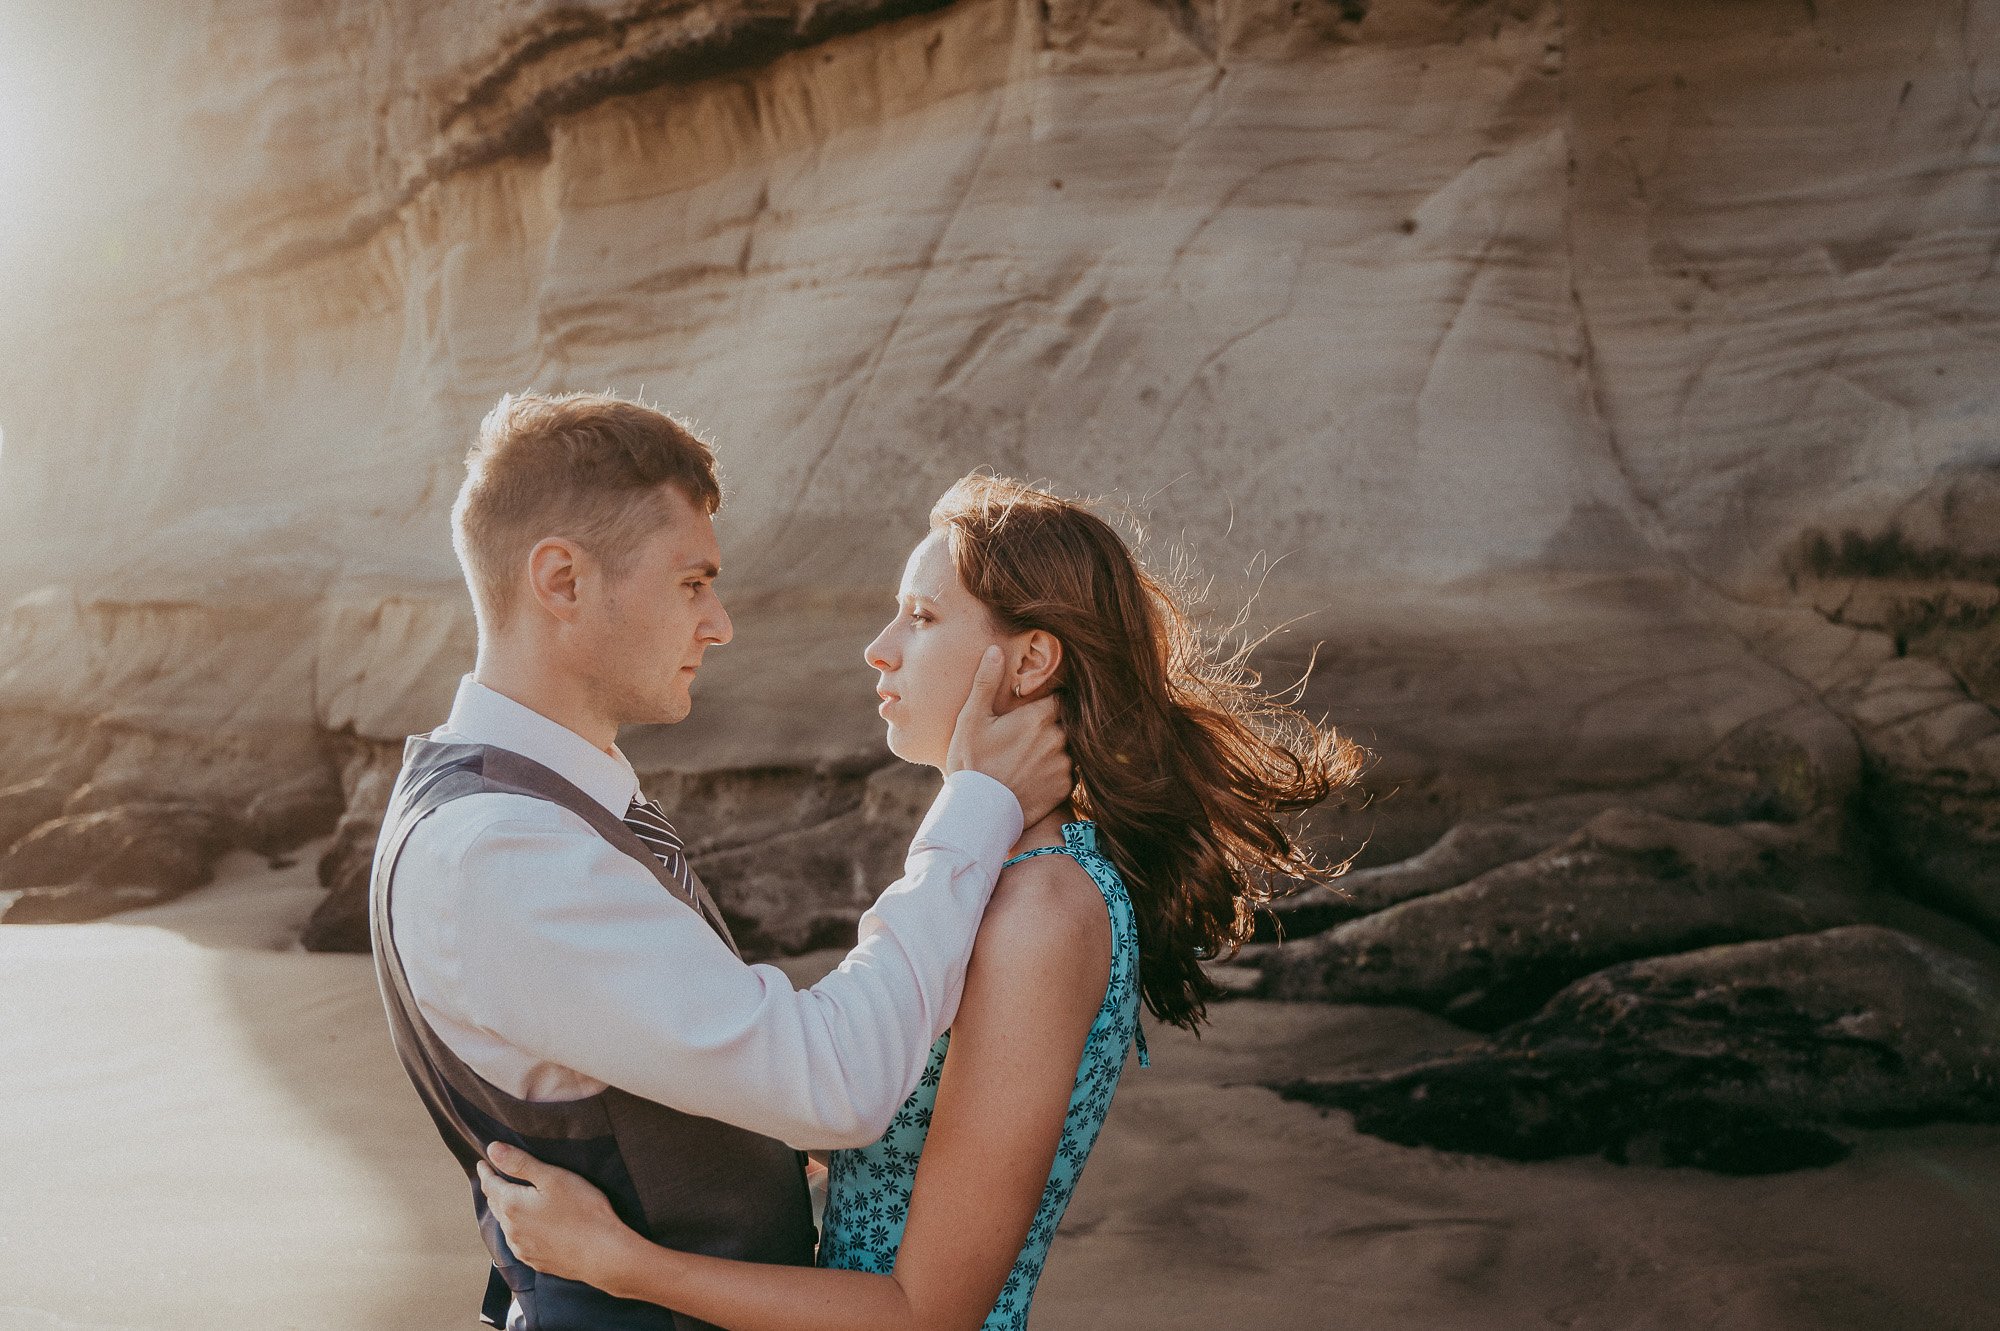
[706,570]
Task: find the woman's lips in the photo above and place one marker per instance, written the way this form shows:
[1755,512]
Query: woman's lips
[888,699]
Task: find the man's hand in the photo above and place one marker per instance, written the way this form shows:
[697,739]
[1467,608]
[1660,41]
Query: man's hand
[1022,748]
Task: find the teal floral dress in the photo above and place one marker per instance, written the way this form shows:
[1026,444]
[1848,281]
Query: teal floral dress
[868,1189]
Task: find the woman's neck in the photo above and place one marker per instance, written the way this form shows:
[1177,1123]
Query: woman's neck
[1047,832]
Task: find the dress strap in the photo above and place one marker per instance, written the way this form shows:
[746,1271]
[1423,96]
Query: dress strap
[1040,850]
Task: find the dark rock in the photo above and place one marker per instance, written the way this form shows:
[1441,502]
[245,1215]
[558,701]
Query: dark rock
[340,923]
[287,816]
[1972,653]
[1933,785]
[26,806]
[1781,769]
[1743,1059]
[88,865]
[1628,885]
[99,794]
[1947,844]
[352,848]
[1239,976]
[1469,849]
[896,798]
[722,810]
[805,887]
[36,746]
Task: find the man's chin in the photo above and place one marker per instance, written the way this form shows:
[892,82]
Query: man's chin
[661,711]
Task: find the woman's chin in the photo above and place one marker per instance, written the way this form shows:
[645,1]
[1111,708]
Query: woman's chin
[919,754]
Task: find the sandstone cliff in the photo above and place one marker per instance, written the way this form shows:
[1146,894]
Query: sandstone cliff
[1609,387]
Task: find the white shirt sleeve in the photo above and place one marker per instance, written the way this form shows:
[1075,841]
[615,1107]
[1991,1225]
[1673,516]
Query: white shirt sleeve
[572,952]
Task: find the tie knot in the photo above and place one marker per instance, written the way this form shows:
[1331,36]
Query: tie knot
[652,827]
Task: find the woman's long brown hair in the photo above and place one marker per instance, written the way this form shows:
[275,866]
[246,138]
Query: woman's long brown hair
[1188,769]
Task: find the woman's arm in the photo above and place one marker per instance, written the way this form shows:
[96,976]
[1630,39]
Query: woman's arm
[1037,977]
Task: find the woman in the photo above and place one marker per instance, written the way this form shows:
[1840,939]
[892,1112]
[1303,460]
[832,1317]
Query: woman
[1185,775]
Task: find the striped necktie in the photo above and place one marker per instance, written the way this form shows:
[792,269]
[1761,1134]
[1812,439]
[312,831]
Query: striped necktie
[651,826]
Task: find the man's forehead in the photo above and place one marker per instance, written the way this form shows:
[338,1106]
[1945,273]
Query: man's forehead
[687,540]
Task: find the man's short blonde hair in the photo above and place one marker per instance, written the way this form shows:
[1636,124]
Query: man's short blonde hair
[586,466]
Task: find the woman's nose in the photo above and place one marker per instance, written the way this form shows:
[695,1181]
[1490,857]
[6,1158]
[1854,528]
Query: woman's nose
[876,654]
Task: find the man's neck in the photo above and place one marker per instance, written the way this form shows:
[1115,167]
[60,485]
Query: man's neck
[551,696]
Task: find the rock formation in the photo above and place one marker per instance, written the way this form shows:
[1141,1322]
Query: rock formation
[1628,885]
[1608,388]
[1742,1058]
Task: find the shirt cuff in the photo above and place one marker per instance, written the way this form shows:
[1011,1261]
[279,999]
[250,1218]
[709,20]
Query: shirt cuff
[974,814]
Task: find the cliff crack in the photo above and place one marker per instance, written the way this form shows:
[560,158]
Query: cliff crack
[873,365]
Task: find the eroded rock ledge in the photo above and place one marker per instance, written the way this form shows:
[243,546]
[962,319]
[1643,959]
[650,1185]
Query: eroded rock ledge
[505,102]
[1742,1058]
[1724,969]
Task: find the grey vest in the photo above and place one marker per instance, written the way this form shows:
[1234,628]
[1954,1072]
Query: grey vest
[696,1184]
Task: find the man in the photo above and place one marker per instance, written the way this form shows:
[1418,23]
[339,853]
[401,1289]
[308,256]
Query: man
[556,976]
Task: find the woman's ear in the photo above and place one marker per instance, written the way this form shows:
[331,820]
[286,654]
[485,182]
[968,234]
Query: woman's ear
[1038,668]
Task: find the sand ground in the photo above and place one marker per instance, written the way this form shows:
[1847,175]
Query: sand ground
[202,1127]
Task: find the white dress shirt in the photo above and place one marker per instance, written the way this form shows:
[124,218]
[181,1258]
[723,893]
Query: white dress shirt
[555,964]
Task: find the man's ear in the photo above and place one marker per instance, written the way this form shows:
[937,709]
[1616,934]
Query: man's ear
[1039,667]
[554,567]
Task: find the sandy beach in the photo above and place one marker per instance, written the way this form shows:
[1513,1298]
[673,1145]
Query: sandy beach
[205,1128]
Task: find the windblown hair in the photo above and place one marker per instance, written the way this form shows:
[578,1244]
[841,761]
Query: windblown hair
[1188,769]
[587,466]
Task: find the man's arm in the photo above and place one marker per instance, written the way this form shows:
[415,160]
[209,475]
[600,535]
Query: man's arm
[582,960]
[572,952]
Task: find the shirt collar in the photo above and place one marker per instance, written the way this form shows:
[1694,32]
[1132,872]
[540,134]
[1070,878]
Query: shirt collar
[481,715]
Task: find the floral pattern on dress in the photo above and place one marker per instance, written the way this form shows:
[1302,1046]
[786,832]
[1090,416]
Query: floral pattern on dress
[868,1188]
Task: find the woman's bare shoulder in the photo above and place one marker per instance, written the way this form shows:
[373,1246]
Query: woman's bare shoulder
[1047,908]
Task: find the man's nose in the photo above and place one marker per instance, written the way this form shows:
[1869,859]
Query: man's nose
[720,630]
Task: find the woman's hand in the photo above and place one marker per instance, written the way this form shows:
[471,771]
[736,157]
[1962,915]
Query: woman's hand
[556,1221]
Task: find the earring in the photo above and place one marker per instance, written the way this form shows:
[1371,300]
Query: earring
[1017,690]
